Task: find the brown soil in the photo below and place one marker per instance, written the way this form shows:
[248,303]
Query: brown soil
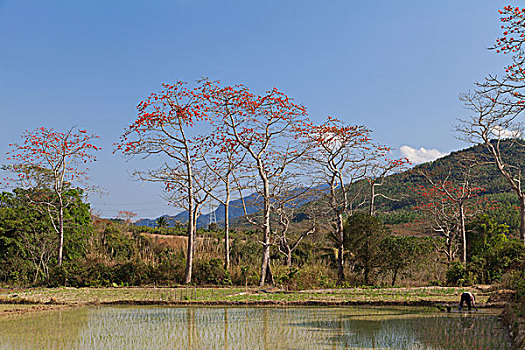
[504,295]
[514,324]
[19,310]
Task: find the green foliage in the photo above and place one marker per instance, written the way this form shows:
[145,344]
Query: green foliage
[508,257]
[118,246]
[245,251]
[28,241]
[362,237]
[306,277]
[517,282]
[491,254]
[484,235]
[210,272]
[458,275]
[305,253]
[399,217]
[398,253]
[159,230]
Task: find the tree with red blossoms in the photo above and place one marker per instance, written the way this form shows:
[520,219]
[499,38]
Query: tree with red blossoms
[52,159]
[224,160]
[339,156]
[163,127]
[127,216]
[461,194]
[266,129]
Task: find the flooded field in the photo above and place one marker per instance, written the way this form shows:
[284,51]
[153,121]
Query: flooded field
[253,328]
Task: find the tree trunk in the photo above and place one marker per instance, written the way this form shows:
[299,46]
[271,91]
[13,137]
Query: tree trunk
[189,253]
[265,264]
[522,218]
[463,232]
[372,198]
[60,228]
[288,255]
[448,241]
[191,243]
[340,249]
[394,277]
[269,275]
[227,231]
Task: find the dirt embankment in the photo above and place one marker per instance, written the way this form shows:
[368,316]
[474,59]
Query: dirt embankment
[513,318]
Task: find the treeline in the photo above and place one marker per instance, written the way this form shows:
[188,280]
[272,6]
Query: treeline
[100,252]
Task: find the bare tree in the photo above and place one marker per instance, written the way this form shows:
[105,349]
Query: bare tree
[288,195]
[493,124]
[442,213]
[378,167]
[224,160]
[499,102]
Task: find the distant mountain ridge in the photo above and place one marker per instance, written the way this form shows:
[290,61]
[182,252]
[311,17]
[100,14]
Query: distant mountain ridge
[400,185]
[235,211]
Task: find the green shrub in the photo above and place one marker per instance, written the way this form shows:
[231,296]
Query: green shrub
[58,276]
[210,272]
[458,275]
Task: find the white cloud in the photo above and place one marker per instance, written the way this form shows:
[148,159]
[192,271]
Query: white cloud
[422,155]
[502,133]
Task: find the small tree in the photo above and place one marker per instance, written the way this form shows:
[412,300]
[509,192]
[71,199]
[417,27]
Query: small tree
[442,219]
[224,159]
[162,223]
[288,196]
[461,193]
[127,216]
[378,167]
[52,159]
[363,235]
[399,252]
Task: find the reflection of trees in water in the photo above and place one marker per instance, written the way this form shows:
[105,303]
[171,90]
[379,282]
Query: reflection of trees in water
[45,330]
[254,328]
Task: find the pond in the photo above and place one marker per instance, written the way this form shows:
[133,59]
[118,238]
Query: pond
[253,328]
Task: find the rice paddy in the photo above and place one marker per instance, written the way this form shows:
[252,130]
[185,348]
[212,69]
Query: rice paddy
[140,327]
[431,295]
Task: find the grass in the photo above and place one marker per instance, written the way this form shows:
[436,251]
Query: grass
[226,295]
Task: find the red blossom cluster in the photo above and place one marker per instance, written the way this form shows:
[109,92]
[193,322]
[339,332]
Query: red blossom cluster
[59,154]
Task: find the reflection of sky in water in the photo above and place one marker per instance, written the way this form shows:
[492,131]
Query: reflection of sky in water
[251,328]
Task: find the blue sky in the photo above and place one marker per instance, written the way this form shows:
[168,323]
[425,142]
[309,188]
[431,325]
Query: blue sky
[395,66]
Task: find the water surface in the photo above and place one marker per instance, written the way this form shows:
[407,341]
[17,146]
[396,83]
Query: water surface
[253,328]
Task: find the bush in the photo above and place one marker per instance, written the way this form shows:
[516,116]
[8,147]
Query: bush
[245,251]
[133,273]
[457,275]
[170,271]
[58,276]
[306,277]
[210,272]
[245,274]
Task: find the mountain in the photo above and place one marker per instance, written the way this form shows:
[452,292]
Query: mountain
[235,211]
[400,187]
[494,187]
